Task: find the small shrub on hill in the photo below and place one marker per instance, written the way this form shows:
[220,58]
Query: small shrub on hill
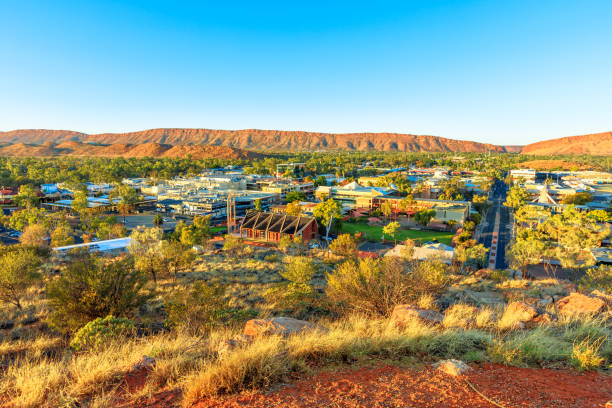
[100,332]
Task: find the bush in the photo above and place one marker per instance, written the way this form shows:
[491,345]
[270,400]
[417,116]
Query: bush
[599,278]
[201,308]
[585,354]
[91,288]
[344,245]
[100,332]
[296,291]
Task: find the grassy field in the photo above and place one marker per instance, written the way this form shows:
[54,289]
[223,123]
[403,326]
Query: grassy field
[374,232]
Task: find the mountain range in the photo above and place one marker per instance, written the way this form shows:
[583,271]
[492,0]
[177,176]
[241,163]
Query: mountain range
[179,142]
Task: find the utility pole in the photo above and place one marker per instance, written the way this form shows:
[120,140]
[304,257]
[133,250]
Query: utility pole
[231,214]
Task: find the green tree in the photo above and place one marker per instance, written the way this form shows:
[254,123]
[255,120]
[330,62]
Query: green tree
[128,197]
[27,196]
[424,217]
[257,204]
[517,197]
[344,245]
[295,291]
[327,210]
[158,220]
[144,246]
[386,209]
[62,236]
[90,288]
[294,209]
[295,196]
[525,252]
[391,229]
[34,235]
[19,271]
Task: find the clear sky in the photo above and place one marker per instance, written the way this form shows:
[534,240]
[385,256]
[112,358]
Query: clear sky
[504,72]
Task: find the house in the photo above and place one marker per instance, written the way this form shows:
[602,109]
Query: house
[272,226]
[353,194]
[7,195]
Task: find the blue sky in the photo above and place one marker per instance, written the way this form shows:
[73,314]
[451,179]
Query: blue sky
[509,72]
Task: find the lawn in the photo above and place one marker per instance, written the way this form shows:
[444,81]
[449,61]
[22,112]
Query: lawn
[374,233]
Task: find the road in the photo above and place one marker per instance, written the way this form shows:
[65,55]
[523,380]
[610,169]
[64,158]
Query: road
[496,229]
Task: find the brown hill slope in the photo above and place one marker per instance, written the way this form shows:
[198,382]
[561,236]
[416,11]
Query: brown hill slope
[597,144]
[72,148]
[253,139]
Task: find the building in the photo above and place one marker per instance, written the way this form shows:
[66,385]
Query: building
[353,195]
[455,211]
[7,195]
[272,227]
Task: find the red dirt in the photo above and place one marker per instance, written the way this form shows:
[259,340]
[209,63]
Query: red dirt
[391,387]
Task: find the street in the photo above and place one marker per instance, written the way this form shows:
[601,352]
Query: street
[496,235]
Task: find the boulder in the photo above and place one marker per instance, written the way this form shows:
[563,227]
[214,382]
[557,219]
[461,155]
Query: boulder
[603,296]
[519,315]
[578,304]
[405,313]
[483,273]
[282,326]
[452,367]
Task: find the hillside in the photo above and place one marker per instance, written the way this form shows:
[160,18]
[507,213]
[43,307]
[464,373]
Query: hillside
[269,140]
[73,148]
[596,144]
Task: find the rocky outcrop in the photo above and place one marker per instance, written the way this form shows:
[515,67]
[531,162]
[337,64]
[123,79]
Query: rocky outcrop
[579,304]
[280,326]
[597,144]
[255,139]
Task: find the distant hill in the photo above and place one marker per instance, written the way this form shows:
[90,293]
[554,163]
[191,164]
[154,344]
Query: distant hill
[72,148]
[261,140]
[596,144]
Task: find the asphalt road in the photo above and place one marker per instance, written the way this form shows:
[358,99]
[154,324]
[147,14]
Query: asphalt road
[498,196]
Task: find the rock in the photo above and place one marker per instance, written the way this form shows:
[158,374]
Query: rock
[283,326]
[452,367]
[603,296]
[577,303]
[136,377]
[405,313]
[519,315]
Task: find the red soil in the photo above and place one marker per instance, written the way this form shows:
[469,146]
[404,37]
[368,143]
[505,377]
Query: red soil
[391,386]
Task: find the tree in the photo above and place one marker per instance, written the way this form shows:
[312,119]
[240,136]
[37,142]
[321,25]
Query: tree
[327,210]
[257,204]
[407,250]
[578,198]
[22,218]
[293,196]
[474,256]
[391,229]
[344,245]
[407,203]
[294,209]
[19,271]
[296,290]
[517,197]
[599,215]
[62,236]
[79,203]
[158,220]
[91,287]
[524,252]
[386,209]
[424,217]
[27,196]
[144,246]
[174,257]
[34,235]
[128,198]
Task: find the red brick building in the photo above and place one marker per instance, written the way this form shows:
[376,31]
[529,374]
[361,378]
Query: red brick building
[272,226]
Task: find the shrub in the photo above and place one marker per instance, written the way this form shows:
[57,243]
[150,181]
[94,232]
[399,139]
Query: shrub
[18,271]
[460,316]
[597,278]
[344,245]
[295,291]
[100,332]
[200,307]
[585,354]
[91,288]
